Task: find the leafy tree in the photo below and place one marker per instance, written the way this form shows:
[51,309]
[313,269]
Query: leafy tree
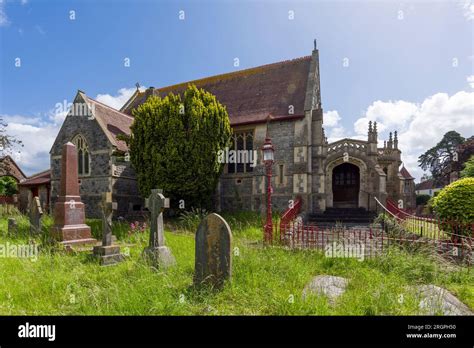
[468,171]
[174,144]
[422,199]
[454,203]
[439,159]
[8,186]
[7,143]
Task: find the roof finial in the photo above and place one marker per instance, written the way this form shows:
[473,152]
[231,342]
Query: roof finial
[137,85]
[370,126]
[375,126]
[315,45]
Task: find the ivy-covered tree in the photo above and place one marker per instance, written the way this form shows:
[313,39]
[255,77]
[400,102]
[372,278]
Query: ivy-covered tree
[174,144]
[439,159]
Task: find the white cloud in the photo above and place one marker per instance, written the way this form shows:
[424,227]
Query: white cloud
[3,15]
[331,118]
[468,9]
[420,126]
[118,100]
[37,137]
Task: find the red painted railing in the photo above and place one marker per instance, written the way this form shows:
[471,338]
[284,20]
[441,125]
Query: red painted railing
[291,213]
[430,227]
[367,242]
[7,200]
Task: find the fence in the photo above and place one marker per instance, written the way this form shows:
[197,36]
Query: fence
[7,200]
[431,227]
[373,240]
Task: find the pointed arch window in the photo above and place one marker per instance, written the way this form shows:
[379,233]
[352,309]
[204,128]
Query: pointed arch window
[83,158]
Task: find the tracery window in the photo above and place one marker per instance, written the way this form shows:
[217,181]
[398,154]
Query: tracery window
[242,144]
[83,158]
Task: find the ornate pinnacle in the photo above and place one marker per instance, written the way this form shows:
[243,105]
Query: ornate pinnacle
[370,126]
[375,126]
[390,137]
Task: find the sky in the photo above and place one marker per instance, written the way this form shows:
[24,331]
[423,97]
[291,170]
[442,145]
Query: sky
[407,65]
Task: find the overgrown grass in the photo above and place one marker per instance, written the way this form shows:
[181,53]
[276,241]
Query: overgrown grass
[266,281]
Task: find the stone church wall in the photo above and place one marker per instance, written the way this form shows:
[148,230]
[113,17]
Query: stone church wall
[93,185]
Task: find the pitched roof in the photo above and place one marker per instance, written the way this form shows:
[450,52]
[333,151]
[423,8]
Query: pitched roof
[249,95]
[405,173]
[9,167]
[427,185]
[41,178]
[112,121]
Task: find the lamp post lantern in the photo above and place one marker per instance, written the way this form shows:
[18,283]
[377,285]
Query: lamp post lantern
[268,151]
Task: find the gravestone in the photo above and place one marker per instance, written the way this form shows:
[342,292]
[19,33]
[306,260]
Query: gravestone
[159,254]
[69,216]
[107,253]
[35,213]
[213,263]
[12,227]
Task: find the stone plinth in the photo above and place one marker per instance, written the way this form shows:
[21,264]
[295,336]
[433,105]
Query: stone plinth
[108,254]
[69,216]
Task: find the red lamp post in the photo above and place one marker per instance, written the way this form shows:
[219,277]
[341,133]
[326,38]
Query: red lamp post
[268,150]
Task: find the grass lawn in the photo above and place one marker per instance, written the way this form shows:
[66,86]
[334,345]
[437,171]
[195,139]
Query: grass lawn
[266,281]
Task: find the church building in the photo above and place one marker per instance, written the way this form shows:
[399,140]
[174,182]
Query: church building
[280,100]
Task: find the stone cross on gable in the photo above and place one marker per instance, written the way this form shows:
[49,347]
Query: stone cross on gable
[155,203]
[107,211]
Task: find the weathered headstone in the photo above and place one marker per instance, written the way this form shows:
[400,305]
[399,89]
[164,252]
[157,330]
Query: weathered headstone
[213,263]
[157,252]
[434,300]
[35,213]
[12,227]
[107,253]
[69,216]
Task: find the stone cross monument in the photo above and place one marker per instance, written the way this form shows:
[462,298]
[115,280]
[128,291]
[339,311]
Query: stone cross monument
[157,252]
[69,216]
[107,253]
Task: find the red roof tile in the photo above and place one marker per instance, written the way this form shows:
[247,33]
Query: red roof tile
[405,173]
[38,179]
[250,95]
[113,122]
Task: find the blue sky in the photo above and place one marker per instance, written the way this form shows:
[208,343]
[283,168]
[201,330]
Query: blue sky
[410,65]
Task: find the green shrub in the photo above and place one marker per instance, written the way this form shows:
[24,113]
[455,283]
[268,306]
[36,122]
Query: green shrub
[422,199]
[175,143]
[468,171]
[8,186]
[456,202]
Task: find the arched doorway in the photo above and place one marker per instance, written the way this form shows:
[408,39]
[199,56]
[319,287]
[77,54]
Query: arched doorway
[345,186]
